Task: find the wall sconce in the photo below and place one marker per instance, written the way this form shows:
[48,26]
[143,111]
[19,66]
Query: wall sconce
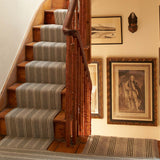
[132,20]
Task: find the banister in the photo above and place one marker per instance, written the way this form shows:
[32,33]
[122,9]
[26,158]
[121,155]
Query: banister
[69,16]
[78,80]
[68,31]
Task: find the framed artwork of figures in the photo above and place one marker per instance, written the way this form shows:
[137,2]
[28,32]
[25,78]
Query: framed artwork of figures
[131,91]
[95,68]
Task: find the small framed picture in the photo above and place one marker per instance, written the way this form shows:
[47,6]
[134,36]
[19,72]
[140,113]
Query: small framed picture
[95,68]
[106,30]
[131,91]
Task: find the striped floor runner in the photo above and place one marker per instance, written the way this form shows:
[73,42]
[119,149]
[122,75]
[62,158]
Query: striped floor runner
[121,147]
[27,154]
[30,125]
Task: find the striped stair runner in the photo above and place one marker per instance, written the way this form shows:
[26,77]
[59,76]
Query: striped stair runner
[30,125]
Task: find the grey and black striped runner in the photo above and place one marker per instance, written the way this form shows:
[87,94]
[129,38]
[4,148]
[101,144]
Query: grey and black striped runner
[121,147]
[30,125]
[28,154]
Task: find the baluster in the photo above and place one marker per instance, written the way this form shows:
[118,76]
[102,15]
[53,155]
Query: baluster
[68,91]
[79,91]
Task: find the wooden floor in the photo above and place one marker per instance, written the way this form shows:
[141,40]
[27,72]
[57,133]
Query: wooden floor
[60,146]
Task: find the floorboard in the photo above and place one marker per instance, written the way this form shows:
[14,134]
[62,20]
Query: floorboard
[61,146]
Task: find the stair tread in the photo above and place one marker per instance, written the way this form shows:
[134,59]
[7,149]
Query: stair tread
[22,64]
[37,65]
[60,117]
[37,26]
[14,86]
[50,10]
[31,44]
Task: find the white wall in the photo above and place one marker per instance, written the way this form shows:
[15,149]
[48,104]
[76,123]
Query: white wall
[15,17]
[143,43]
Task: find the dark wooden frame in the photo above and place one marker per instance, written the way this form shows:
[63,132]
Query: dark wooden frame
[151,61]
[98,61]
[120,18]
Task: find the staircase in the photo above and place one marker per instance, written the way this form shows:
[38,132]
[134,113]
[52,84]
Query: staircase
[46,57]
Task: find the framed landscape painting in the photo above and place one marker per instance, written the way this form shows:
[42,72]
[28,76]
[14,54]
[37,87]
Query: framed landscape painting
[96,73]
[106,30]
[131,91]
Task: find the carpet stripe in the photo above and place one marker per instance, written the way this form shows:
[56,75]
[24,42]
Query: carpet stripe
[60,15]
[130,145]
[93,146]
[111,147]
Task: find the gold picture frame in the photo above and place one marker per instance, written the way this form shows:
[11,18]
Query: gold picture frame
[96,72]
[132,91]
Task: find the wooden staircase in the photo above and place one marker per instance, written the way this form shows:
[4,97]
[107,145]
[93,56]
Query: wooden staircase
[59,121]
[74,120]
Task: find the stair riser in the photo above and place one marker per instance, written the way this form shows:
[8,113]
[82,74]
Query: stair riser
[21,74]
[3,127]
[59,130]
[12,102]
[36,35]
[49,18]
[29,53]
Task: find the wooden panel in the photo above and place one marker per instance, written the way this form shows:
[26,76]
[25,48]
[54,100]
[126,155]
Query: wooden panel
[2,127]
[61,146]
[29,51]
[49,17]
[12,102]
[59,130]
[36,34]
[11,95]
[2,121]
[21,77]
[59,4]
[64,148]
[159,147]
[63,99]
[53,146]
[80,148]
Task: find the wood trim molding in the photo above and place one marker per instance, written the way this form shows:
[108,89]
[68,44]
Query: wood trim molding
[37,19]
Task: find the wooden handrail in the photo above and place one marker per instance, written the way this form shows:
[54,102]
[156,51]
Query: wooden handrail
[78,81]
[68,19]
[68,31]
